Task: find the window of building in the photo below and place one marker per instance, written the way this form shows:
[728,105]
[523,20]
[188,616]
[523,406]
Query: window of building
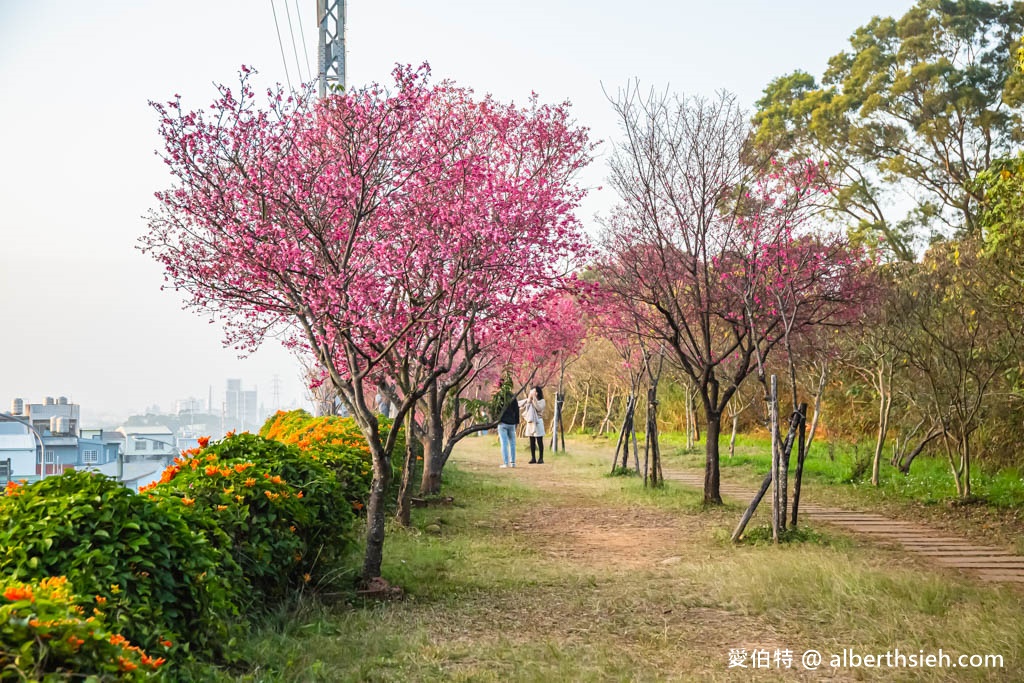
[140,445]
[158,445]
[90,457]
[49,458]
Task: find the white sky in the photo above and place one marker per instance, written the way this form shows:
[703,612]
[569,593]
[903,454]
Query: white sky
[81,311]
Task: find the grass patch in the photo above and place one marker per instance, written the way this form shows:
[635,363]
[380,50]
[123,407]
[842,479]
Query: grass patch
[562,573]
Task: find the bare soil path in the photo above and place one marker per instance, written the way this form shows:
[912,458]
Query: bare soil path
[988,563]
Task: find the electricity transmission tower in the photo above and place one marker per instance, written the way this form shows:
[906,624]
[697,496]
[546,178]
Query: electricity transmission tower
[330,16]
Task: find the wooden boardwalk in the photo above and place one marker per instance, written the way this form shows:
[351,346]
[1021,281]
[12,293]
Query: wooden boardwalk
[986,562]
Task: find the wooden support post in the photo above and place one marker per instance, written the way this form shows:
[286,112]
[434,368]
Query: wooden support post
[801,453]
[773,407]
[745,519]
[795,423]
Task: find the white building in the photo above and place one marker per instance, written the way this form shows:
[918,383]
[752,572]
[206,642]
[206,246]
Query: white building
[148,442]
[18,445]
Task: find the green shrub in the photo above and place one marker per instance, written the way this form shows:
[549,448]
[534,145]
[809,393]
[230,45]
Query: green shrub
[286,521]
[159,578]
[45,636]
[337,442]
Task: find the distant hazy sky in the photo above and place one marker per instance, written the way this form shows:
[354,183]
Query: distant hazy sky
[81,311]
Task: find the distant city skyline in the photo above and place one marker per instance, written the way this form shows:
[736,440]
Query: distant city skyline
[82,313]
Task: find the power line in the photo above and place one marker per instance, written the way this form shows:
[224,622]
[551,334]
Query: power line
[291,34]
[305,48]
[281,45]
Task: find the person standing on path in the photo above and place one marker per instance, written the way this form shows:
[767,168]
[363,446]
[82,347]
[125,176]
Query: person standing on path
[533,412]
[507,424]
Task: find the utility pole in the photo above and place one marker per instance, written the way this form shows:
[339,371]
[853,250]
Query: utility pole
[330,18]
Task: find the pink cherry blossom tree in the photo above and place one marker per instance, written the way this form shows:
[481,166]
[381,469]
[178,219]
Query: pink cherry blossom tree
[528,346]
[711,251]
[381,231]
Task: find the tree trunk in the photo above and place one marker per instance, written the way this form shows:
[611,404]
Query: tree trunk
[609,403]
[693,414]
[732,439]
[904,465]
[965,464]
[375,512]
[405,492]
[712,478]
[586,404]
[575,411]
[953,465]
[656,476]
[884,406]
[817,405]
[433,445]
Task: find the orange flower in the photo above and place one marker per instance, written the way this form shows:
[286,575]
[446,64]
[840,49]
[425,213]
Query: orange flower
[357,505]
[277,479]
[204,441]
[299,494]
[239,498]
[166,643]
[153,663]
[11,487]
[16,593]
[250,482]
[75,642]
[222,507]
[101,600]
[292,528]
[307,578]
[242,467]
[188,501]
[127,665]
[226,472]
[211,470]
[118,639]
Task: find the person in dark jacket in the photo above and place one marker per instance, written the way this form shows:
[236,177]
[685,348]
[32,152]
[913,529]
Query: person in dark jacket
[507,424]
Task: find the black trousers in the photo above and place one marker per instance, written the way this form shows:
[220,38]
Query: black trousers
[539,441]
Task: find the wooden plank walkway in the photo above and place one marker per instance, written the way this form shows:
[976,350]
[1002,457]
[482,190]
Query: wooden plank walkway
[986,562]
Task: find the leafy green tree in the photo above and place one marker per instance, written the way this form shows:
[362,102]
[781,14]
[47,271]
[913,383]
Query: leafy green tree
[915,109]
[952,329]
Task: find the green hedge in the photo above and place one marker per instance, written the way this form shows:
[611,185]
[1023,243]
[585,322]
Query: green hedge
[158,577]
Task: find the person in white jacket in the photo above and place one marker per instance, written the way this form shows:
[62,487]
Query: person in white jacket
[532,410]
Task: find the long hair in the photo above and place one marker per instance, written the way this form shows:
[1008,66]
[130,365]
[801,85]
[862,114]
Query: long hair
[540,393]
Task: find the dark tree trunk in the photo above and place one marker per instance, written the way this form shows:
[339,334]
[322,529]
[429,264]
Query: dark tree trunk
[904,465]
[801,454]
[712,479]
[651,445]
[405,492]
[375,512]
[433,445]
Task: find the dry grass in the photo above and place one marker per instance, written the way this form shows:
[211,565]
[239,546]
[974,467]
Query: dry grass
[560,573]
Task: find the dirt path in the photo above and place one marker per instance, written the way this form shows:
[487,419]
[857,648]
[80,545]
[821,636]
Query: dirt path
[986,562]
